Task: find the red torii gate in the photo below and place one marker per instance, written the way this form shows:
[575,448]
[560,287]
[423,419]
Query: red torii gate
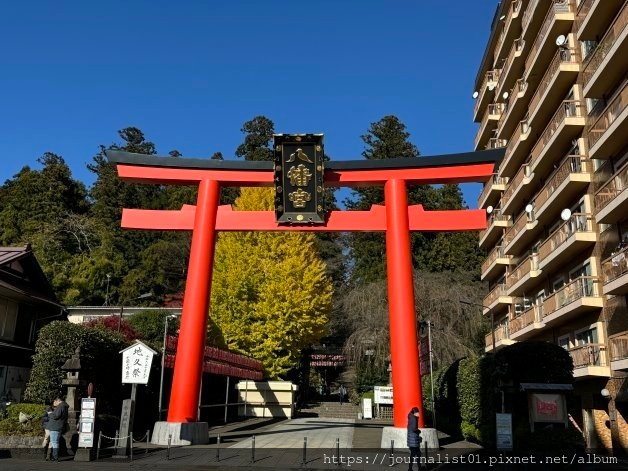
[396,218]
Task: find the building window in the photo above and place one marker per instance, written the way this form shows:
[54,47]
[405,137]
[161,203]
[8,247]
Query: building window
[8,318]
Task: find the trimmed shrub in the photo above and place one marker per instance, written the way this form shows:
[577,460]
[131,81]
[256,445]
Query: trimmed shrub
[10,425]
[100,362]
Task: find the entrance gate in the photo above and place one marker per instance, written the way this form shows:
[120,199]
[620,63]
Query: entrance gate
[395,218]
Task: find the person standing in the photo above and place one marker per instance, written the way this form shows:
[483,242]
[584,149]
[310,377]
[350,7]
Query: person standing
[414,440]
[44,423]
[57,422]
[342,392]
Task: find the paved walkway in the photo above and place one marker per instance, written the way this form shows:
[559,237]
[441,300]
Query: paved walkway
[319,433]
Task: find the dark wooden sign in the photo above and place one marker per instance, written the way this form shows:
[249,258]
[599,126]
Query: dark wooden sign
[299,172]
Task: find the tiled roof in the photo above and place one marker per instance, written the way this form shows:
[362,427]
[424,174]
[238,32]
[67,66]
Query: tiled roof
[8,254]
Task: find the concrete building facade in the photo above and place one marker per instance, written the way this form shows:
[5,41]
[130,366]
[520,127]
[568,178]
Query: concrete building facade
[551,89]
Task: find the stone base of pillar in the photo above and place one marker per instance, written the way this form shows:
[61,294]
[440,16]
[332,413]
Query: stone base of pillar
[85,454]
[180,433]
[400,436]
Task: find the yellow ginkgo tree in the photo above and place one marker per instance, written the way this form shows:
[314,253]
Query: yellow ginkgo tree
[271,296]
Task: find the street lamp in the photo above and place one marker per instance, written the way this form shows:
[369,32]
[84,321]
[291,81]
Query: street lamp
[429,325]
[141,296]
[163,359]
[492,319]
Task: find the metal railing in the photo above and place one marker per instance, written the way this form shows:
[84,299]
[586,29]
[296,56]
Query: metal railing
[583,10]
[526,318]
[497,252]
[590,354]
[501,333]
[528,14]
[605,120]
[604,47]
[571,165]
[521,130]
[558,7]
[515,7]
[496,143]
[617,183]
[495,180]
[517,47]
[518,226]
[577,223]
[523,172]
[619,347]
[562,56]
[520,86]
[525,267]
[567,109]
[616,265]
[494,109]
[496,215]
[491,76]
[584,286]
[498,290]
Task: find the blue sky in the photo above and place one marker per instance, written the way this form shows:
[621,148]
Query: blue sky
[189,73]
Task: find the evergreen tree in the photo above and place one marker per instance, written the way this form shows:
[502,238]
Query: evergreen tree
[258,134]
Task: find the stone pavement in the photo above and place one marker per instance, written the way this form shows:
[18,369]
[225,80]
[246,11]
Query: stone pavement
[279,446]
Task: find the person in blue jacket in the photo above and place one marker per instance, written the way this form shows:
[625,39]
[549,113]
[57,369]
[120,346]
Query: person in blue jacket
[414,440]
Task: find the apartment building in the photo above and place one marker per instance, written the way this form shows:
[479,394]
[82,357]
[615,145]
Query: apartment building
[551,89]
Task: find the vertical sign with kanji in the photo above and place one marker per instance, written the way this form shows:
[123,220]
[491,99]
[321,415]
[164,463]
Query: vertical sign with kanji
[299,169]
[136,363]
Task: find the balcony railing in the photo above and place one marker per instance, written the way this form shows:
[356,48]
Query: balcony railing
[522,129]
[527,16]
[617,183]
[497,252]
[518,226]
[579,288]
[501,333]
[528,317]
[558,6]
[606,44]
[563,56]
[517,46]
[577,223]
[520,86]
[572,164]
[499,290]
[495,180]
[619,347]
[523,172]
[496,215]
[590,354]
[610,114]
[583,10]
[529,264]
[567,109]
[491,77]
[616,265]
[495,143]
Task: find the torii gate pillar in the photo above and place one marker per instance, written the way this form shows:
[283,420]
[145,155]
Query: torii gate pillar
[404,349]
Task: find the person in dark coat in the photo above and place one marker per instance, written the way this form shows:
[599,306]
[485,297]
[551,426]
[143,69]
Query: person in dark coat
[414,440]
[57,422]
[44,423]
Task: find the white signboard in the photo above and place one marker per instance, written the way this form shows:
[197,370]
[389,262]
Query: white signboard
[383,394]
[136,362]
[504,431]
[367,408]
[86,422]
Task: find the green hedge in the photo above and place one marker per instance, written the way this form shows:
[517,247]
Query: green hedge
[10,425]
[468,392]
[100,362]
